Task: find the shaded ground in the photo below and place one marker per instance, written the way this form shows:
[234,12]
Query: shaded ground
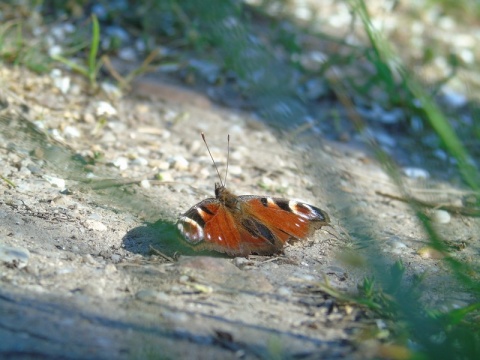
[82,275]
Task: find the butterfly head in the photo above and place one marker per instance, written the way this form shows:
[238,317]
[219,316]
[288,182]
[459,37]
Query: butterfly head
[219,188]
[225,197]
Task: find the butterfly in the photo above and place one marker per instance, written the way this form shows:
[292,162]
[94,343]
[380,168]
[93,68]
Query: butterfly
[247,224]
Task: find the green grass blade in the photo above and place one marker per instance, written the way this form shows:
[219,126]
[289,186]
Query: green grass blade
[94,46]
[446,133]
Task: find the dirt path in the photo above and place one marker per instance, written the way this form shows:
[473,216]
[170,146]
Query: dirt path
[79,278]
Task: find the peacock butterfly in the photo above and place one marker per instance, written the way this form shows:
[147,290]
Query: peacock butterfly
[247,224]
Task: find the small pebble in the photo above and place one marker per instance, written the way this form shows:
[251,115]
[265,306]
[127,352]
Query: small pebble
[159,164]
[140,161]
[88,118]
[34,169]
[127,54]
[64,270]
[110,269]
[105,109]
[55,50]
[88,259]
[428,252]
[164,176]
[267,182]
[455,99]
[440,154]
[62,83]
[398,247]
[116,258]
[416,173]
[284,291]
[180,163]
[151,295]
[385,139]
[108,137]
[111,89]
[95,225]
[241,262]
[121,163]
[60,183]
[184,279]
[94,289]
[71,132]
[440,216]
[177,317]
[145,184]
[235,170]
[195,147]
[14,256]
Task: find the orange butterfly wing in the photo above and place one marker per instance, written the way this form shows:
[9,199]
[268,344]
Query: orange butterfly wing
[286,219]
[209,225]
[260,225]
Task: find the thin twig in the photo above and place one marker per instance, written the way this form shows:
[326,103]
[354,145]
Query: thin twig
[158,252]
[450,208]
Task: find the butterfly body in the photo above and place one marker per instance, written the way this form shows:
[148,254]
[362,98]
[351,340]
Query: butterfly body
[248,224]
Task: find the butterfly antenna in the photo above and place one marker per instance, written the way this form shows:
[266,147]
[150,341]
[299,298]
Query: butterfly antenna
[228,160]
[214,163]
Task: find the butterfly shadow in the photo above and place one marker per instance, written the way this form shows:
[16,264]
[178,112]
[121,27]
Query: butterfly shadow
[161,236]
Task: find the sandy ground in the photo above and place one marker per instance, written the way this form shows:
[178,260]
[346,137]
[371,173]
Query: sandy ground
[98,189]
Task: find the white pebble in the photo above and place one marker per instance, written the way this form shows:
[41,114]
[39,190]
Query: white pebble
[180,163]
[159,164]
[150,295]
[60,183]
[63,271]
[165,176]
[95,225]
[55,50]
[145,184]
[110,269]
[121,163]
[111,89]
[397,247]
[104,108]
[416,173]
[62,83]
[71,132]
[88,118]
[88,259]
[241,262]
[127,54]
[385,139]
[266,181]
[455,99]
[140,161]
[15,256]
[440,216]
[284,291]
[235,170]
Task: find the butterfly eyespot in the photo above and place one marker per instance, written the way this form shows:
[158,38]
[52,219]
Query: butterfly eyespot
[303,210]
[190,229]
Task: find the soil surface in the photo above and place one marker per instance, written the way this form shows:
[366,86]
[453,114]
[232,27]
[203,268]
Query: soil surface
[91,265]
